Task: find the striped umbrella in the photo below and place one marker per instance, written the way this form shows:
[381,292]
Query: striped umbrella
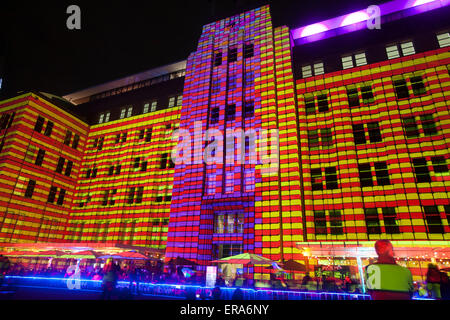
[246,258]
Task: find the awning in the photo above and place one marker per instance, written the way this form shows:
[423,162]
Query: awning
[366,249]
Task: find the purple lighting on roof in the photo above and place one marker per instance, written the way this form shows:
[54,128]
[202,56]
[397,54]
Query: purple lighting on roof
[313,29]
[354,19]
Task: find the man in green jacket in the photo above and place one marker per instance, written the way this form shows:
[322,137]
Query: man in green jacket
[385,279]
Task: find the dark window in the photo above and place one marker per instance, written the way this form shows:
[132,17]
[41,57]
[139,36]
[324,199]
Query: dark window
[331,178]
[401,89]
[353,98]
[421,170]
[367,95]
[410,127]
[316,179]
[232,55]
[30,188]
[68,137]
[418,86]
[124,137]
[11,119]
[139,194]
[248,50]
[118,169]
[382,173]
[322,102]
[249,109]
[433,218]
[141,134]
[131,195]
[48,128]
[112,201]
[428,124]
[372,221]
[390,220]
[313,139]
[359,134]
[69,168]
[320,222]
[52,194]
[40,157]
[374,132]
[148,136]
[144,166]
[76,140]
[159,198]
[100,143]
[168,198]
[105,198]
[4,121]
[60,165]
[214,115]
[111,171]
[439,164]
[62,193]
[136,162]
[335,222]
[95,143]
[217,58]
[171,163]
[88,173]
[365,175]
[309,104]
[447,212]
[230,112]
[94,173]
[39,124]
[163,161]
[117,138]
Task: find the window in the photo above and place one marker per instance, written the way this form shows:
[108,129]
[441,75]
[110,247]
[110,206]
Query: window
[249,109]
[433,219]
[232,55]
[179,100]
[382,173]
[171,102]
[48,128]
[139,194]
[117,138]
[421,170]
[104,117]
[62,194]
[146,107]
[118,169]
[390,220]
[69,168]
[39,124]
[248,50]
[428,124]
[358,59]
[214,117]
[40,157]
[123,112]
[131,195]
[352,96]
[217,58]
[418,85]
[154,105]
[163,164]
[367,94]
[229,223]
[129,111]
[407,48]
[309,104]
[230,111]
[322,102]
[52,194]
[148,136]
[359,134]
[136,162]
[316,179]
[68,137]
[144,166]
[313,140]
[439,164]
[60,165]
[232,82]
[4,120]
[335,222]
[316,69]
[320,222]
[443,39]
[374,132]
[94,173]
[171,163]
[331,178]
[111,171]
[327,137]
[410,127]
[372,221]
[400,87]
[249,78]
[30,188]
[392,52]
[365,175]
[215,86]
[76,140]
[124,137]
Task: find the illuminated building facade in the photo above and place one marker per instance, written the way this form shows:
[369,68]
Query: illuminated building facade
[348,126]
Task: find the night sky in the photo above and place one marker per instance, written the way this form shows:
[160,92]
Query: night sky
[121,38]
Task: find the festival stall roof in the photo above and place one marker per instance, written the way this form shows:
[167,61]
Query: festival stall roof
[75,247]
[366,249]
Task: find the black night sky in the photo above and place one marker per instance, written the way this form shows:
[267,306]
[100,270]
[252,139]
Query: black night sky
[120,38]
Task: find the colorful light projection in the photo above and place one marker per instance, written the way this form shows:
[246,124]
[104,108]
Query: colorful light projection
[354,21]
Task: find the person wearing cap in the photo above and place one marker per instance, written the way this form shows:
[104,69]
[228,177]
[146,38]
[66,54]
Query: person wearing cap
[385,279]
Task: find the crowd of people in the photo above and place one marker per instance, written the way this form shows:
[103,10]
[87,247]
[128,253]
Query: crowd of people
[384,279]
